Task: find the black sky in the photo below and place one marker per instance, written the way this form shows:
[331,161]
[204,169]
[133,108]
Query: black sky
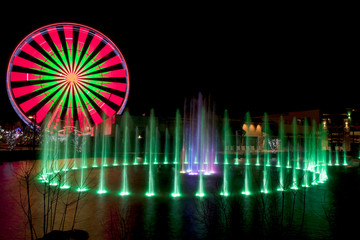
[244,59]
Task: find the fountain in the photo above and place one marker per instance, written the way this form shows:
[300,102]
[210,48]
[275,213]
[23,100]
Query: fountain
[189,146]
[177,152]
[102,179]
[265,179]
[151,144]
[199,138]
[126,149]
[84,156]
[226,147]
[280,155]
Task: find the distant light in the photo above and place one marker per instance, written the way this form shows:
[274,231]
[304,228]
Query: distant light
[124,193]
[175,195]
[200,195]
[101,191]
[224,194]
[149,194]
[82,189]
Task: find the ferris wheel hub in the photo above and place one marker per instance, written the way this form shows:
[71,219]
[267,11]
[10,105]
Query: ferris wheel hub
[72,78]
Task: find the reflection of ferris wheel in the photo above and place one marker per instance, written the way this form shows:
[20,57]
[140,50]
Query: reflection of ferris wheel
[69,72]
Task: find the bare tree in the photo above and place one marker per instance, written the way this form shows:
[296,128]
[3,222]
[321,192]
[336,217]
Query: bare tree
[117,226]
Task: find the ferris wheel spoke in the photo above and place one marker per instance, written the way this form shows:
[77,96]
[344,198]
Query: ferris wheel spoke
[83,107]
[46,55]
[74,106]
[37,72]
[65,48]
[107,89]
[39,92]
[98,62]
[56,101]
[32,111]
[94,105]
[25,83]
[55,50]
[111,104]
[74,46]
[104,70]
[43,64]
[65,104]
[84,49]
[91,56]
[106,79]
[61,101]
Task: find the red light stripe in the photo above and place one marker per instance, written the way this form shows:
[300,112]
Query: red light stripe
[94,43]
[112,61]
[55,37]
[19,76]
[19,61]
[115,85]
[29,104]
[32,51]
[21,91]
[68,31]
[39,39]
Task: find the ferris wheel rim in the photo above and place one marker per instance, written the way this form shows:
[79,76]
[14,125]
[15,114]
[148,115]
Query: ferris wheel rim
[28,38]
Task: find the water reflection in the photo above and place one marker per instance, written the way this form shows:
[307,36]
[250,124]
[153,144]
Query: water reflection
[306,213]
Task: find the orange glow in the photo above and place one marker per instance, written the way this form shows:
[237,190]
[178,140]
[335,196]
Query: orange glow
[72,78]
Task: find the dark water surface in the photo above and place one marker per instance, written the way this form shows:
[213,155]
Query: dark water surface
[325,211]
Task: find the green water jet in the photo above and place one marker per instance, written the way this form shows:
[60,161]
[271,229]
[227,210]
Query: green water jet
[136,152]
[166,153]
[117,140]
[152,147]
[280,160]
[247,181]
[65,184]
[96,147]
[226,147]
[84,150]
[247,138]
[226,136]
[177,152]
[266,164]
[102,179]
[125,186]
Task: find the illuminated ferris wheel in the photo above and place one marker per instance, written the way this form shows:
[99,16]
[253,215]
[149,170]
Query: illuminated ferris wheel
[69,74]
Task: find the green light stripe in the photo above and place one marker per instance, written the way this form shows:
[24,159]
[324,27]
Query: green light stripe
[78,101]
[95,74]
[85,98]
[78,53]
[101,87]
[63,100]
[93,88]
[90,63]
[44,78]
[45,85]
[63,57]
[56,96]
[45,71]
[70,56]
[55,58]
[86,56]
[49,92]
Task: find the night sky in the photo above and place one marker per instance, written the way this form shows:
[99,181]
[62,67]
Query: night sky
[244,59]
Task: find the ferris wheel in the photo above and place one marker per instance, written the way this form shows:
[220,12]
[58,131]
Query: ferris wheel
[68,74]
